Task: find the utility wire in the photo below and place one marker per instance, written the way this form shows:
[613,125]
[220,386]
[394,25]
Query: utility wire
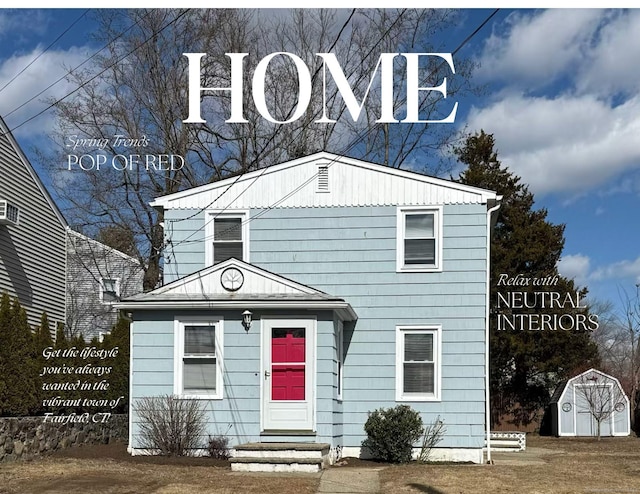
[95,76]
[45,50]
[356,141]
[273,135]
[263,170]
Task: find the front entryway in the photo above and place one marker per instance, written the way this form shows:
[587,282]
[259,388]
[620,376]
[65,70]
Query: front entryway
[288,350]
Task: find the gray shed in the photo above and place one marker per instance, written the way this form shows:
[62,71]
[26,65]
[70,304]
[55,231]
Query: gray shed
[593,397]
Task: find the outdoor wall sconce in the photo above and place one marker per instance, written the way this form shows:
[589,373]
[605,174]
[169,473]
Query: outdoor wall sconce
[246,320]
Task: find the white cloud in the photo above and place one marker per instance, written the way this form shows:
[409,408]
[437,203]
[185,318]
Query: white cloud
[45,71]
[567,116]
[621,269]
[568,143]
[611,65]
[575,267]
[539,47]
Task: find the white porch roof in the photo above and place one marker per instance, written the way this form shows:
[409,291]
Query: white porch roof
[258,289]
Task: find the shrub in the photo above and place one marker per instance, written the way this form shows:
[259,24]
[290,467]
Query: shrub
[433,434]
[169,424]
[218,447]
[392,432]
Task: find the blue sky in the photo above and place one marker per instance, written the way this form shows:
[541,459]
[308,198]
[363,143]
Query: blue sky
[562,100]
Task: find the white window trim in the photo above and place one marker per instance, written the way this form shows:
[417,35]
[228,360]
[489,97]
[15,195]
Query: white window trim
[102,289]
[210,215]
[400,232]
[178,331]
[436,330]
[340,359]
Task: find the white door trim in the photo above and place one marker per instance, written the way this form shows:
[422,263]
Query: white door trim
[310,325]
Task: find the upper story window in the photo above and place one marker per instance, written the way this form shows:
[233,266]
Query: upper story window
[419,242]
[109,290]
[227,235]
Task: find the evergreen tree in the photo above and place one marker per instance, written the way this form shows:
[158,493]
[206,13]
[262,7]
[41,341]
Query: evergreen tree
[525,365]
[61,338]
[19,365]
[5,338]
[119,377]
[42,340]
[43,335]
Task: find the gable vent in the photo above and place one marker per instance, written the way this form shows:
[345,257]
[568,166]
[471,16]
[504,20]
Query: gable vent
[323,178]
[9,213]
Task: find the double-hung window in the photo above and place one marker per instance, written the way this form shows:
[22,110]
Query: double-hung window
[227,236]
[419,246]
[109,290]
[198,358]
[417,363]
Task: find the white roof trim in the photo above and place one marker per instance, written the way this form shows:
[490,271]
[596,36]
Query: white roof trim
[238,184]
[343,308]
[207,282]
[101,245]
[203,290]
[596,371]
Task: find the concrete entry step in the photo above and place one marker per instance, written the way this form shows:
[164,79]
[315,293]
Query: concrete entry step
[280,457]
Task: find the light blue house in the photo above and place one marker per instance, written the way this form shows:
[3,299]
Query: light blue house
[360,286]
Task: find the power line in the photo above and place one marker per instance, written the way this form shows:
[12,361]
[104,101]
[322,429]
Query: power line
[263,170]
[95,76]
[273,135]
[356,141]
[45,50]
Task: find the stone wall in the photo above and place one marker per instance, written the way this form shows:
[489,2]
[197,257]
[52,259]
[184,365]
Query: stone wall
[26,437]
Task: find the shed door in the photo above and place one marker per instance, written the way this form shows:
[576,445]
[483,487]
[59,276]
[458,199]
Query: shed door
[288,393]
[598,398]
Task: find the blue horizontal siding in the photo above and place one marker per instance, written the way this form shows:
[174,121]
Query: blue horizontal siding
[351,253]
[153,373]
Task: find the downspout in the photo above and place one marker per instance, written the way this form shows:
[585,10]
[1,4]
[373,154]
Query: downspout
[129,317]
[490,224]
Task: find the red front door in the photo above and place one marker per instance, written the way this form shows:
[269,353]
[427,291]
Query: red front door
[288,352]
[288,397]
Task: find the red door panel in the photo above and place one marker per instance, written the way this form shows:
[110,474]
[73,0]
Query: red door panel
[288,364]
[287,382]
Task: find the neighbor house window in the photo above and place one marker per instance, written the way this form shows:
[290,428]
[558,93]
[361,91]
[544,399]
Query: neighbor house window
[109,290]
[198,371]
[227,236]
[419,242]
[417,363]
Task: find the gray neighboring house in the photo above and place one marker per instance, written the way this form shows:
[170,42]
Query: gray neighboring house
[32,237]
[97,277]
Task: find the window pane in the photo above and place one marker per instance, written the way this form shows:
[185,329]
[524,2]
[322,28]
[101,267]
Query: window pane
[109,285]
[419,378]
[225,250]
[421,251]
[199,340]
[227,229]
[199,375]
[418,347]
[419,225]
[108,296]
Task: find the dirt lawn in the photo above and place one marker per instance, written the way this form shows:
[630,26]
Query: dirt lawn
[550,465]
